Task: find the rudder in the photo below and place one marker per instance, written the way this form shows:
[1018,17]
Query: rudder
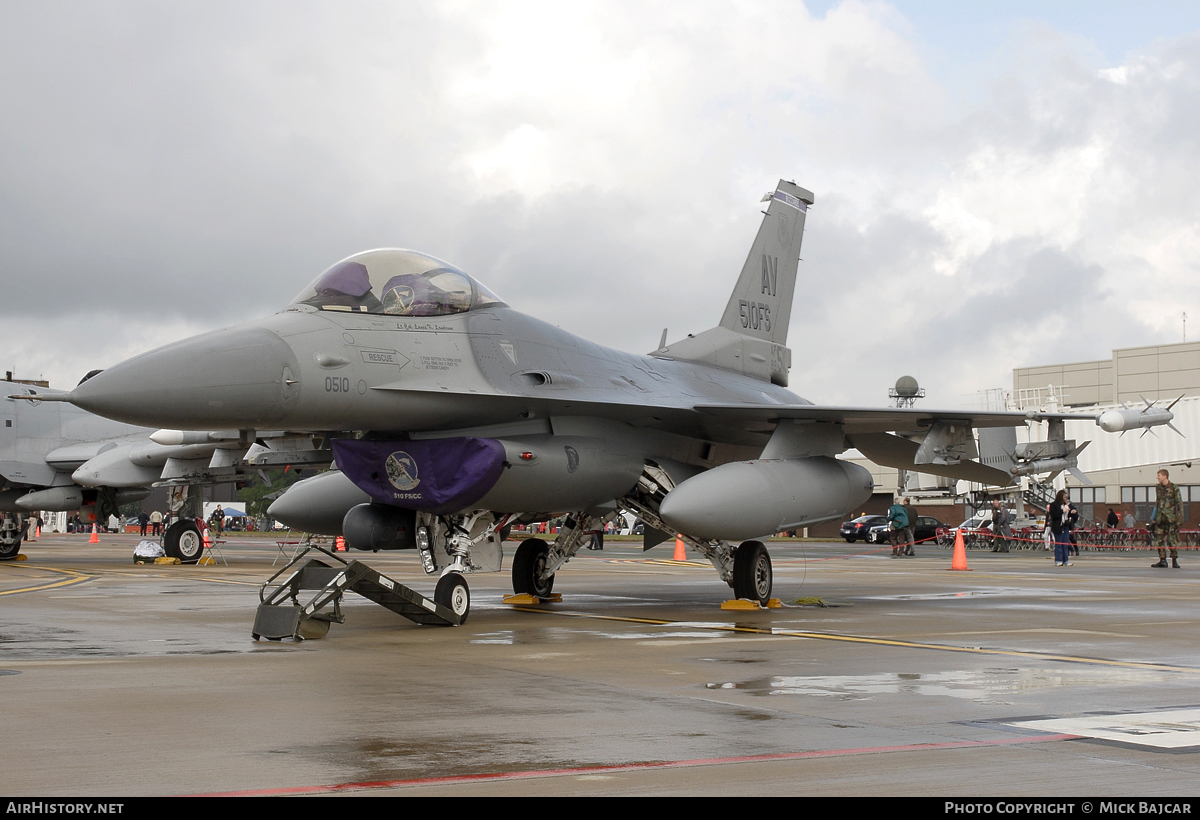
[751,336]
[761,303]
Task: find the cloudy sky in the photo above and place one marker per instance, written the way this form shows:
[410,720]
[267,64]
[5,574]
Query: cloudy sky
[997,185]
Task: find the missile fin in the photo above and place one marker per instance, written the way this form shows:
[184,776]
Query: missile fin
[1075,471]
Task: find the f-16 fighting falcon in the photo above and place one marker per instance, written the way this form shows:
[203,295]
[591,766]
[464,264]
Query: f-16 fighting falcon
[453,416]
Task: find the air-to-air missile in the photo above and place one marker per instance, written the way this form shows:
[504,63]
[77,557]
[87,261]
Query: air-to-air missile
[1134,418]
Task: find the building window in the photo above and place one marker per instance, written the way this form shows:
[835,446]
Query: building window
[1085,500]
[1143,500]
[1086,495]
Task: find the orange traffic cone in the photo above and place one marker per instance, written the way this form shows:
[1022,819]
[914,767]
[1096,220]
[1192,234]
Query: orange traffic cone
[39,533]
[95,539]
[680,552]
[339,545]
[959,561]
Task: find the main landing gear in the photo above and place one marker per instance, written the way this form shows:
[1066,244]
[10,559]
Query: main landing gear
[12,528]
[746,567]
[529,569]
[182,540]
[752,576]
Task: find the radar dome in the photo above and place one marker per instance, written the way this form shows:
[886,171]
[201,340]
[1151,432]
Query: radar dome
[906,386]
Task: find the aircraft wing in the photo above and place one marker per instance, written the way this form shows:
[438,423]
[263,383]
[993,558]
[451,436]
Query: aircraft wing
[948,447]
[878,419]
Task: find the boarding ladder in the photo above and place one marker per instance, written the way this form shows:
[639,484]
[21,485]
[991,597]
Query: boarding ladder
[282,614]
[1039,495]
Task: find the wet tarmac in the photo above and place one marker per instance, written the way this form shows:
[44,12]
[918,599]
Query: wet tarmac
[896,677]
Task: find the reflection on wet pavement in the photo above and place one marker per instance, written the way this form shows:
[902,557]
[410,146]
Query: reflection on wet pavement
[979,685]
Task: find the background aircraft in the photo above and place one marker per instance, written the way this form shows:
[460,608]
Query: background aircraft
[59,458]
[42,443]
[452,416]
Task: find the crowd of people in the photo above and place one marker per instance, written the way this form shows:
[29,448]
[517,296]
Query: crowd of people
[1062,520]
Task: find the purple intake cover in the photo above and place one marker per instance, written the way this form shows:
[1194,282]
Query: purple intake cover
[439,476]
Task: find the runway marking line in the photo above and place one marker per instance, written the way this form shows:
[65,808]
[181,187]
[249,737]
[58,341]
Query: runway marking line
[827,636]
[74,577]
[635,767]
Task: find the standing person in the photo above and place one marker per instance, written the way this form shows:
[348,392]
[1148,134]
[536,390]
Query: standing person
[218,518]
[1001,530]
[897,527]
[1072,521]
[1167,517]
[1128,522]
[156,519]
[1058,517]
[144,521]
[911,529]
[1114,520]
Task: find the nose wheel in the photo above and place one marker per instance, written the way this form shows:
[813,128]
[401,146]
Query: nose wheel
[752,576]
[453,593]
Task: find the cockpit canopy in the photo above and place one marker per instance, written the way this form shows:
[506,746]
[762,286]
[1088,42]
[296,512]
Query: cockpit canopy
[396,282]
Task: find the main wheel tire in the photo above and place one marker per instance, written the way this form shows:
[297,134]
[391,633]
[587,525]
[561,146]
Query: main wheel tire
[183,541]
[752,576]
[10,545]
[453,593]
[528,564]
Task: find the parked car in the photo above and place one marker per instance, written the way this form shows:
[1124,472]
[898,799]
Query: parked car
[928,529]
[857,528]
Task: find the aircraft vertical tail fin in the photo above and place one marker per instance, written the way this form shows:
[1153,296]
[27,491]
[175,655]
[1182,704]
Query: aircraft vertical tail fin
[761,303]
[752,334]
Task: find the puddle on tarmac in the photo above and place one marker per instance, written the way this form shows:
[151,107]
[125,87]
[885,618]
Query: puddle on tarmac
[669,634]
[970,593]
[983,685]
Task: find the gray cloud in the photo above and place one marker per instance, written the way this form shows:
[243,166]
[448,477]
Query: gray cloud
[169,168]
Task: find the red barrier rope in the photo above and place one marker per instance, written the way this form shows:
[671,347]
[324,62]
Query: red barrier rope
[1095,539]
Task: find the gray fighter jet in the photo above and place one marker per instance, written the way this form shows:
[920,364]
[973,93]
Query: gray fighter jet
[58,458]
[41,445]
[452,416]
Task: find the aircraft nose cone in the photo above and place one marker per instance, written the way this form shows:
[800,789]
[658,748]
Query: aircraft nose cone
[234,378]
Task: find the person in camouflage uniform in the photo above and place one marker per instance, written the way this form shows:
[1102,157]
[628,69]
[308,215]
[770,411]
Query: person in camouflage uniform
[1167,518]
